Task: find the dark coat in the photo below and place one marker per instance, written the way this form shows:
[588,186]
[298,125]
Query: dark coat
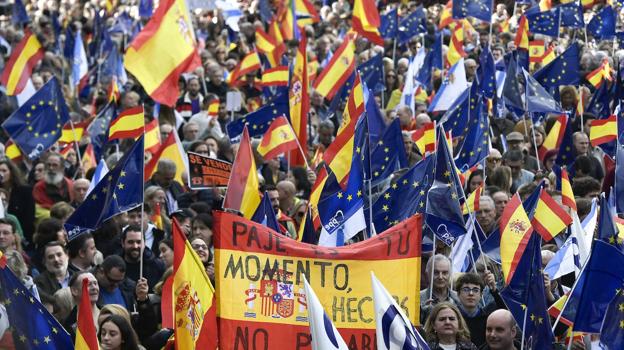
[22,205]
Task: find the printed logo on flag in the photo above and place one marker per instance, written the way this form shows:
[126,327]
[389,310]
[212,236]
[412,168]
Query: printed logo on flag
[277,299]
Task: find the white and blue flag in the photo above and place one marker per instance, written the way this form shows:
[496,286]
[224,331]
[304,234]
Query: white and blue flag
[324,334]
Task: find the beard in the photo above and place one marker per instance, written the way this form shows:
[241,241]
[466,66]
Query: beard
[53,178]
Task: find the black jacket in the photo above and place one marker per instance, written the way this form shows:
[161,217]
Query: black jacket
[22,205]
[153,269]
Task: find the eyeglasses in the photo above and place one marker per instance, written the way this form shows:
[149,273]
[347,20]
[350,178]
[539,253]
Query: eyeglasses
[199,246]
[494,160]
[467,290]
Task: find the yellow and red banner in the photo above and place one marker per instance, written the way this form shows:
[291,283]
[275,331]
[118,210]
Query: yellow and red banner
[259,278]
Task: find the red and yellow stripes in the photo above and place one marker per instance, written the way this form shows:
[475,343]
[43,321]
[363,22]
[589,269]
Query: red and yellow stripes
[338,69]
[365,20]
[278,139]
[129,124]
[522,34]
[515,229]
[152,136]
[23,60]
[603,130]
[86,336]
[600,74]
[242,190]
[550,218]
[299,101]
[277,76]
[248,64]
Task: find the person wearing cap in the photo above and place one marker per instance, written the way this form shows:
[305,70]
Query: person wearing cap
[515,141]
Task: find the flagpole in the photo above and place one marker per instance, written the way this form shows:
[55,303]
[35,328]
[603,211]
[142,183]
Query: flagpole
[569,296]
[394,52]
[142,212]
[71,123]
[373,232]
[539,168]
[526,312]
[433,254]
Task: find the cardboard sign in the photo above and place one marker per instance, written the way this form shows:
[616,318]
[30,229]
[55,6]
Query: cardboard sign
[206,172]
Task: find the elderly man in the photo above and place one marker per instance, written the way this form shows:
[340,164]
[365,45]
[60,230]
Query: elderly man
[486,216]
[165,178]
[500,201]
[81,186]
[582,148]
[75,287]
[500,331]
[441,290]
[516,141]
[54,187]
[421,120]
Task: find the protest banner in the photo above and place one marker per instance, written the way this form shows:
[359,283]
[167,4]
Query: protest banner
[261,300]
[206,172]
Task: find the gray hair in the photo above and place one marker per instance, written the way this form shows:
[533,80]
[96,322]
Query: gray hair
[166,166]
[438,258]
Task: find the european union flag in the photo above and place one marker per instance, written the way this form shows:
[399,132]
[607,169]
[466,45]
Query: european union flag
[98,129]
[607,231]
[32,325]
[258,121]
[513,89]
[563,70]
[602,25]
[486,73]
[415,23]
[374,118]
[567,151]
[476,145]
[525,297]
[38,123]
[433,59]
[389,28]
[371,72]
[612,331]
[264,8]
[546,22]
[388,153]
[265,215]
[405,197]
[20,17]
[480,9]
[538,100]
[456,117]
[599,104]
[619,178]
[585,307]
[444,214]
[572,15]
[120,190]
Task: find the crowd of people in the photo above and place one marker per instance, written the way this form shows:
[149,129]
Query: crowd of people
[458,310]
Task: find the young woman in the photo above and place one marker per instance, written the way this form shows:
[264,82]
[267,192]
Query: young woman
[116,333]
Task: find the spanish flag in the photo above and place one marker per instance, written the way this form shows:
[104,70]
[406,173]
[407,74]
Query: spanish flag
[603,130]
[306,13]
[194,305]
[276,33]
[266,45]
[472,202]
[549,55]
[70,135]
[213,107]
[554,137]
[156,217]
[340,152]
[504,28]
[338,70]
[12,151]
[446,17]
[170,149]
[88,158]
[366,22]
[129,124]
[168,38]
[152,136]
[600,74]
[456,46]
[549,218]
[425,138]
[86,336]
[515,228]
[277,76]
[522,34]
[317,158]
[299,102]
[248,64]
[536,51]
[563,185]
[113,91]
[315,196]
[279,138]
[555,310]
[242,190]
[23,60]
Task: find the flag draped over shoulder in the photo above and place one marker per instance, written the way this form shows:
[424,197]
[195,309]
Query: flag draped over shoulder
[23,60]
[194,305]
[120,190]
[169,38]
[242,190]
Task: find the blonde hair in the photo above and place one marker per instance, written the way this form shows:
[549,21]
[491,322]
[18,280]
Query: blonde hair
[463,334]
[115,309]
[63,303]
[16,263]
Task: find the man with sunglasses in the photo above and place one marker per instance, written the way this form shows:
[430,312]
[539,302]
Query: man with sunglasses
[469,291]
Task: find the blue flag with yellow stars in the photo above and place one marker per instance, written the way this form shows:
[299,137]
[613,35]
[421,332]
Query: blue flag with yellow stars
[258,121]
[32,325]
[538,100]
[585,307]
[389,28]
[602,25]
[525,295]
[619,177]
[415,23]
[443,211]
[486,73]
[476,144]
[606,225]
[98,129]
[572,15]
[563,70]
[120,190]
[405,197]
[480,9]
[38,123]
[371,73]
[612,330]
[433,60]
[567,152]
[546,23]
[455,119]
[388,153]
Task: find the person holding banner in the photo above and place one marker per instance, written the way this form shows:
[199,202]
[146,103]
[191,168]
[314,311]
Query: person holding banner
[446,329]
